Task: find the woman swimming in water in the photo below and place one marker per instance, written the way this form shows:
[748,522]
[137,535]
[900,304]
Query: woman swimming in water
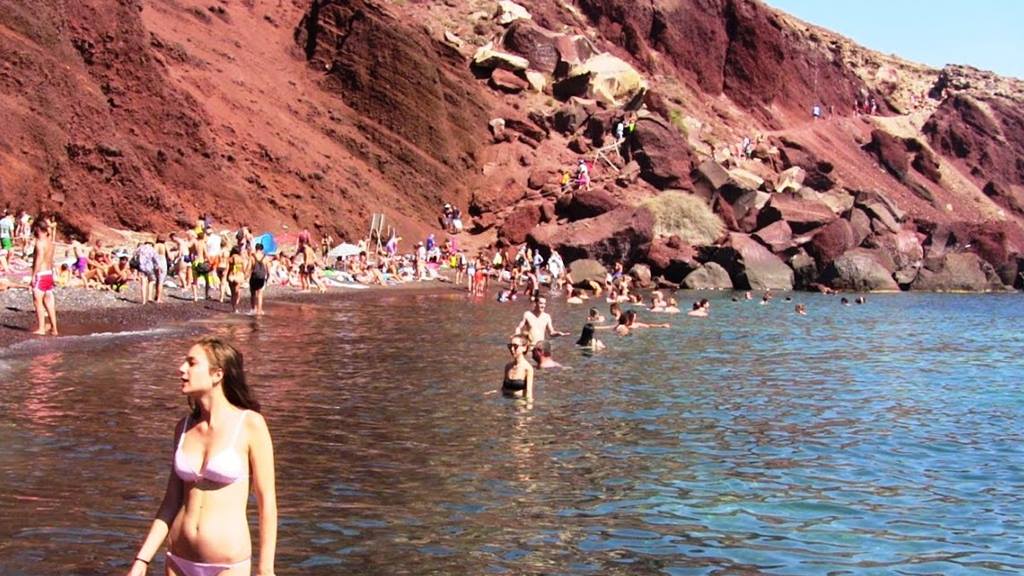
[518,378]
[223,447]
[628,322]
[587,340]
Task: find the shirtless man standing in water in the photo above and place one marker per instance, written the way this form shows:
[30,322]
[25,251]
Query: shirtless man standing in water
[536,323]
[42,278]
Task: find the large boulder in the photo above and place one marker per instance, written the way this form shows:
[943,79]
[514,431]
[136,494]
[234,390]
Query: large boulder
[603,77]
[777,236]
[745,179]
[623,234]
[880,209]
[751,266]
[790,180]
[831,241]
[587,270]
[663,154]
[672,259]
[583,204]
[519,223]
[903,252]
[740,209]
[802,215]
[487,57]
[957,272]
[509,12]
[536,44]
[890,152]
[551,53]
[642,276]
[860,270]
[817,172]
[860,223]
[710,276]
[805,270]
[708,177]
[507,81]
[837,200]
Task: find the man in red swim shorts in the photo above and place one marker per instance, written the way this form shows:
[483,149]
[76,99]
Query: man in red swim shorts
[42,278]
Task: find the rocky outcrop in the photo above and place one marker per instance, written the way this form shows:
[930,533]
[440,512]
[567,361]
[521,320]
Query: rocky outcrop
[724,47]
[801,214]
[860,270]
[672,259]
[603,77]
[620,235]
[817,172]
[831,241]
[986,133]
[519,223]
[777,236]
[751,266]
[902,253]
[587,271]
[549,52]
[663,154]
[583,204]
[957,272]
[709,276]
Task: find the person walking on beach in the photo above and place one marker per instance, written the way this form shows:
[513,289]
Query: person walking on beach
[161,268]
[145,255]
[537,324]
[223,447]
[259,272]
[237,265]
[42,279]
[200,267]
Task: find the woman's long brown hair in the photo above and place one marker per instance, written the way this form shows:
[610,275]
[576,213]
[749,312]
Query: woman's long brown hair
[225,357]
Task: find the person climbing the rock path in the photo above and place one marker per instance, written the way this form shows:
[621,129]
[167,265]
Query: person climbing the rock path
[582,175]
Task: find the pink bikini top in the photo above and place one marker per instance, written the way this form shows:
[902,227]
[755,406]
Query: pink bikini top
[225,467]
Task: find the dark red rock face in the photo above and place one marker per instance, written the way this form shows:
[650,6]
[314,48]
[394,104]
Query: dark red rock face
[991,145]
[398,78]
[735,47]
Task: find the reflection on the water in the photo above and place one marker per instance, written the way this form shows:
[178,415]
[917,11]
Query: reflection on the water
[877,439]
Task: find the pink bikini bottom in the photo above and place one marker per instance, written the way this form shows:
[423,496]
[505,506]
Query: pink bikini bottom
[189,568]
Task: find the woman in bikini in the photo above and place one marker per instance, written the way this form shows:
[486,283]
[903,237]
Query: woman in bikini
[222,447]
[518,380]
[236,276]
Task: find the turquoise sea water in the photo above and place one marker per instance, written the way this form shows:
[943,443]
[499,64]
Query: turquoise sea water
[876,439]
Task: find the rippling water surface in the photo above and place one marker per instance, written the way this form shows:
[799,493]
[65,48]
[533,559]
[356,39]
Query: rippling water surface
[876,439]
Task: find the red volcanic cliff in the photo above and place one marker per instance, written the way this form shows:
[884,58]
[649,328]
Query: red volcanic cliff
[143,114]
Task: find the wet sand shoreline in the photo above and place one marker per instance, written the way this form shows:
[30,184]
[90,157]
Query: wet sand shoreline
[82,312]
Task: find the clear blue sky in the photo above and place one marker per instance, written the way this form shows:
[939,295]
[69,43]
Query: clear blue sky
[986,34]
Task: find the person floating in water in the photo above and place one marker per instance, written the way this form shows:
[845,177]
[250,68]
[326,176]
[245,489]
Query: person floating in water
[223,448]
[518,375]
[800,309]
[700,309]
[628,322]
